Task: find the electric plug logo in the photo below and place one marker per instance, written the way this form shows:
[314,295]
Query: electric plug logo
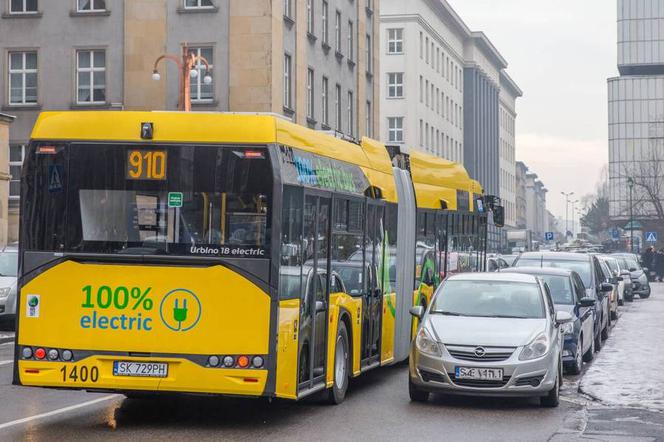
[180,310]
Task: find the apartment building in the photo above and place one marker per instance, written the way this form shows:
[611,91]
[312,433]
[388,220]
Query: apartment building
[313,61]
[509,92]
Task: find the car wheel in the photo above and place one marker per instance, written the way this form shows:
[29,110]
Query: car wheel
[337,393]
[575,367]
[605,330]
[614,315]
[598,342]
[417,395]
[552,399]
[644,295]
[590,354]
[629,298]
[621,302]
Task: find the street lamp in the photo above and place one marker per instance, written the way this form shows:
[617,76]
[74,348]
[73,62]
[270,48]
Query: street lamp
[187,67]
[567,195]
[573,203]
[630,183]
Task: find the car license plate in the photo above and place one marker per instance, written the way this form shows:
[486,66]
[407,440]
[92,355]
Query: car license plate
[140,369]
[483,374]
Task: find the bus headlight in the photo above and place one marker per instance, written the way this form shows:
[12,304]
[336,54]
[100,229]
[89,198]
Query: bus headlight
[213,361]
[257,361]
[27,352]
[53,354]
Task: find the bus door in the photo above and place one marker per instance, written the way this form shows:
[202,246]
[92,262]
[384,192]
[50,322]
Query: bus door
[315,290]
[372,303]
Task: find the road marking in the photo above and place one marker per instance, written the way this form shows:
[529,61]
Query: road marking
[6,362]
[7,343]
[58,411]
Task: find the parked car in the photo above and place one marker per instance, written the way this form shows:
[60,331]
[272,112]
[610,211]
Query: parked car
[495,263]
[569,295]
[509,259]
[588,268]
[8,271]
[638,274]
[627,277]
[613,295]
[618,276]
[489,334]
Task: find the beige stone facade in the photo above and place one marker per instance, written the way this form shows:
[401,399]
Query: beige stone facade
[5,121]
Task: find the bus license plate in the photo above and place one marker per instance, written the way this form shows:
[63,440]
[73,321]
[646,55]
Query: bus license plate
[140,369]
[483,374]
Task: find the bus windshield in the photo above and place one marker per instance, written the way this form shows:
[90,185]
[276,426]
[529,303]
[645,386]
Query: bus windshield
[171,199]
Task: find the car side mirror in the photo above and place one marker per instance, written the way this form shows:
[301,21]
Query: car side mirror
[633,269]
[417,311]
[620,278]
[645,269]
[563,317]
[586,302]
[606,287]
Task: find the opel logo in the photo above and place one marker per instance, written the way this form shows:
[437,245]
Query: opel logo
[480,352]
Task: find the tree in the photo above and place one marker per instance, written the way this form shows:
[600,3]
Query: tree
[648,191]
[597,218]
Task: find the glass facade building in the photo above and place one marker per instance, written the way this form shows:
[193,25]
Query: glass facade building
[636,109]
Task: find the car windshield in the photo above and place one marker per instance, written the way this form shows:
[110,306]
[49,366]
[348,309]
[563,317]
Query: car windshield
[560,288]
[489,299]
[613,265]
[580,267]
[632,264]
[8,263]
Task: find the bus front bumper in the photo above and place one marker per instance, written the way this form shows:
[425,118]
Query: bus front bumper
[183,376]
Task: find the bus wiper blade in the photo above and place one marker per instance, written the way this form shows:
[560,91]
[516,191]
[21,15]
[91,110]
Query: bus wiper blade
[446,313]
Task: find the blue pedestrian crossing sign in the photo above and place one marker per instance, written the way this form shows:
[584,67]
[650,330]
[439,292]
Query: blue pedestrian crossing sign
[548,236]
[651,237]
[55,174]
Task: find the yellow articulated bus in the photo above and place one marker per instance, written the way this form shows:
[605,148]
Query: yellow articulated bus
[227,254]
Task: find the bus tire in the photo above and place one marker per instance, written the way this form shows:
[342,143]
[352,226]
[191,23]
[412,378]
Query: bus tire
[337,393]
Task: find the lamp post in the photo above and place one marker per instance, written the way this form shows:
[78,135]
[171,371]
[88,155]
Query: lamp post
[630,183]
[187,66]
[573,203]
[567,195]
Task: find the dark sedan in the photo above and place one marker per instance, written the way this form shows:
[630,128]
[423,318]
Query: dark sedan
[569,295]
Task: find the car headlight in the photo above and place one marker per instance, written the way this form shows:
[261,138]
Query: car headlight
[427,345]
[643,279]
[567,328]
[4,292]
[536,349]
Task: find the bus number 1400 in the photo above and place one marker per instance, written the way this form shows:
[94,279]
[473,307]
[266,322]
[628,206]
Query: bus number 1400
[79,374]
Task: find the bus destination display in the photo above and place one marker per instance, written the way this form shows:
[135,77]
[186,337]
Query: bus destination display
[146,164]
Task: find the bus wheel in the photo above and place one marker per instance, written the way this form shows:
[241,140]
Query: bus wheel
[337,393]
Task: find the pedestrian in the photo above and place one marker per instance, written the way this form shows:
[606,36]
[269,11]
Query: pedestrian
[659,264]
[648,257]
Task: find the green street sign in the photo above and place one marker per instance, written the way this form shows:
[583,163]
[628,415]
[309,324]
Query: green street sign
[175,199]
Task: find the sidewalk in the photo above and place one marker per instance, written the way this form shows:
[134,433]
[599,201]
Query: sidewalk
[628,371]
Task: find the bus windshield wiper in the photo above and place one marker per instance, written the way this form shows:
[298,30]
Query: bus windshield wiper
[446,313]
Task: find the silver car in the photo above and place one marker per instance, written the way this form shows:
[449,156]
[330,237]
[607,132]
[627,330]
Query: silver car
[8,270]
[489,334]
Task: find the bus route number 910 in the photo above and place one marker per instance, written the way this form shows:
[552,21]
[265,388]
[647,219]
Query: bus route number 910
[146,164]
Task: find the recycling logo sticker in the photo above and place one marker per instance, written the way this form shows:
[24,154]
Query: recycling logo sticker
[180,310]
[32,310]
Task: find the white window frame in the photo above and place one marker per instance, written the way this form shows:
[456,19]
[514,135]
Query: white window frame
[18,164]
[325,26]
[395,133]
[91,70]
[324,99]
[288,74]
[24,9]
[310,94]
[351,113]
[368,119]
[351,40]
[337,108]
[369,54]
[199,81]
[23,72]
[310,17]
[395,87]
[287,8]
[199,5]
[395,41]
[93,6]
[337,31]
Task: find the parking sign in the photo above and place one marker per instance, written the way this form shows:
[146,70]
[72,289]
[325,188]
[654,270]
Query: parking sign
[548,236]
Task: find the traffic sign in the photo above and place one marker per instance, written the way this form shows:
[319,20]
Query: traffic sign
[651,237]
[615,234]
[548,236]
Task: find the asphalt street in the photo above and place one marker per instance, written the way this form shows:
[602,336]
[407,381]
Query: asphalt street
[377,408]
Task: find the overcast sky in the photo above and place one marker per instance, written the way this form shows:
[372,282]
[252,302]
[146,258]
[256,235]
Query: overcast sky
[560,53]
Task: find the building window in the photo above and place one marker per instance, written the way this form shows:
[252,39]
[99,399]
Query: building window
[369,55]
[23,6]
[395,129]
[337,107]
[351,40]
[287,81]
[350,114]
[395,85]
[395,41]
[310,93]
[16,156]
[310,16]
[337,31]
[201,92]
[421,140]
[22,78]
[91,77]
[324,101]
[100,5]
[369,131]
[325,22]
[421,89]
[287,8]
